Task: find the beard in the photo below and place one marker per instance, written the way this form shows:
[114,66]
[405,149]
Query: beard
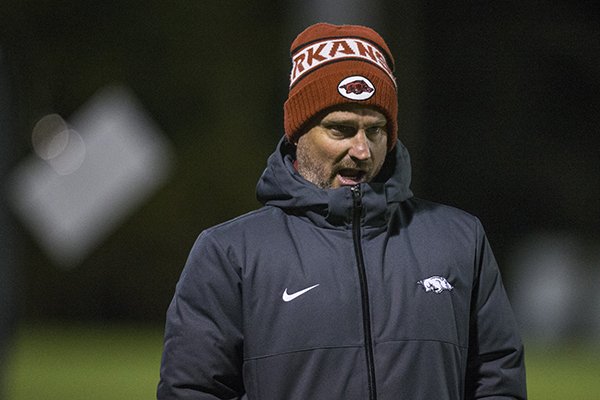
[313,171]
[323,173]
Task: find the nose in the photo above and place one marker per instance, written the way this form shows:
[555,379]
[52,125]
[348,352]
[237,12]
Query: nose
[359,147]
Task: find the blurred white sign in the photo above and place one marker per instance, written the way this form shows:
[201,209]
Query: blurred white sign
[88,173]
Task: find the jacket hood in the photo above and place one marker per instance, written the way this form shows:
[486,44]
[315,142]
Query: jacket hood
[282,186]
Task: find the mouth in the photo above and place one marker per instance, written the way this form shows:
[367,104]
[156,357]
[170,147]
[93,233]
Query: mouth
[350,176]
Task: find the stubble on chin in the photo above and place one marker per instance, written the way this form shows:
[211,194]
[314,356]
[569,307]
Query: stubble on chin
[312,169]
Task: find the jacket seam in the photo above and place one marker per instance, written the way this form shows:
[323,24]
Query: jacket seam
[232,264]
[424,340]
[302,351]
[350,347]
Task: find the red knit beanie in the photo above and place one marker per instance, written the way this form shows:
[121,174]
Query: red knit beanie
[340,64]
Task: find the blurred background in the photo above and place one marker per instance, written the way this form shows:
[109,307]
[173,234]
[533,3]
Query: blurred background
[128,127]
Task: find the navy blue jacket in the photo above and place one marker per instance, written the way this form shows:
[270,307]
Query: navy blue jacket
[353,293]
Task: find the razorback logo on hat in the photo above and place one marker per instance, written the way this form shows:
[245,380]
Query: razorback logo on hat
[330,50]
[356,88]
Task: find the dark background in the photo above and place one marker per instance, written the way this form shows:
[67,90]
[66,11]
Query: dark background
[498,107]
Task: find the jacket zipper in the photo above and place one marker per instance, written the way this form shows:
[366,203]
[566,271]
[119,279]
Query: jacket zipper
[364,292]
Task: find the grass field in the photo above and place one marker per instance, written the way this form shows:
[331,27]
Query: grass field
[85,362]
[91,362]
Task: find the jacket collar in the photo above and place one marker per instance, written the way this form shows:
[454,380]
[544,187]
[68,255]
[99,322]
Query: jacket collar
[282,186]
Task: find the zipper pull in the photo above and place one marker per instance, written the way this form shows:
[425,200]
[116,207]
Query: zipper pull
[356,196]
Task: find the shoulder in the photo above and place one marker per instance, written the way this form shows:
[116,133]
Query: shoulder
[428,207]
[241,228]
[442,218]
[246,222]
[224,243]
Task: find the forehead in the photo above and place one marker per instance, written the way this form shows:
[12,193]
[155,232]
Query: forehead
[353,112]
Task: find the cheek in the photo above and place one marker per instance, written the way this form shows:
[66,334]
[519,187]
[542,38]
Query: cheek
[329,156]
[379,153]
[313,156]
[327,152]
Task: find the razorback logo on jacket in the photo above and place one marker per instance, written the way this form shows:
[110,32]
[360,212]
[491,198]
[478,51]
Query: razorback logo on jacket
[326,51]
[436,284]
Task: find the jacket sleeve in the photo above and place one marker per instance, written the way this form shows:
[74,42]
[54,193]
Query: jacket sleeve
[496,368]
[202,355]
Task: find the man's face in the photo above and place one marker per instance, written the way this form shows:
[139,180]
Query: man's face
[346,147]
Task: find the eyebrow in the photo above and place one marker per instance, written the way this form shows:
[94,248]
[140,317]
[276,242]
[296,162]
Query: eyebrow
[348,121]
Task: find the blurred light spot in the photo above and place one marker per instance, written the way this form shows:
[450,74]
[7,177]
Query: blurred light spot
[88,173]
[62,148]
[50,136]
[549,282]
[72,156]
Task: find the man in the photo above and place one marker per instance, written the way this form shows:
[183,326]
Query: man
[343,286]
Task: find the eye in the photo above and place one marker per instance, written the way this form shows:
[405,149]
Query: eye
[375,131]
[342,130]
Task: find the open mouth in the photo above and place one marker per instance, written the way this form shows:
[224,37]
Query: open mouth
[350,176]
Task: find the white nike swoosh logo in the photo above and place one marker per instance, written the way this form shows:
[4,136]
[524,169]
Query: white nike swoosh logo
[289,297]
